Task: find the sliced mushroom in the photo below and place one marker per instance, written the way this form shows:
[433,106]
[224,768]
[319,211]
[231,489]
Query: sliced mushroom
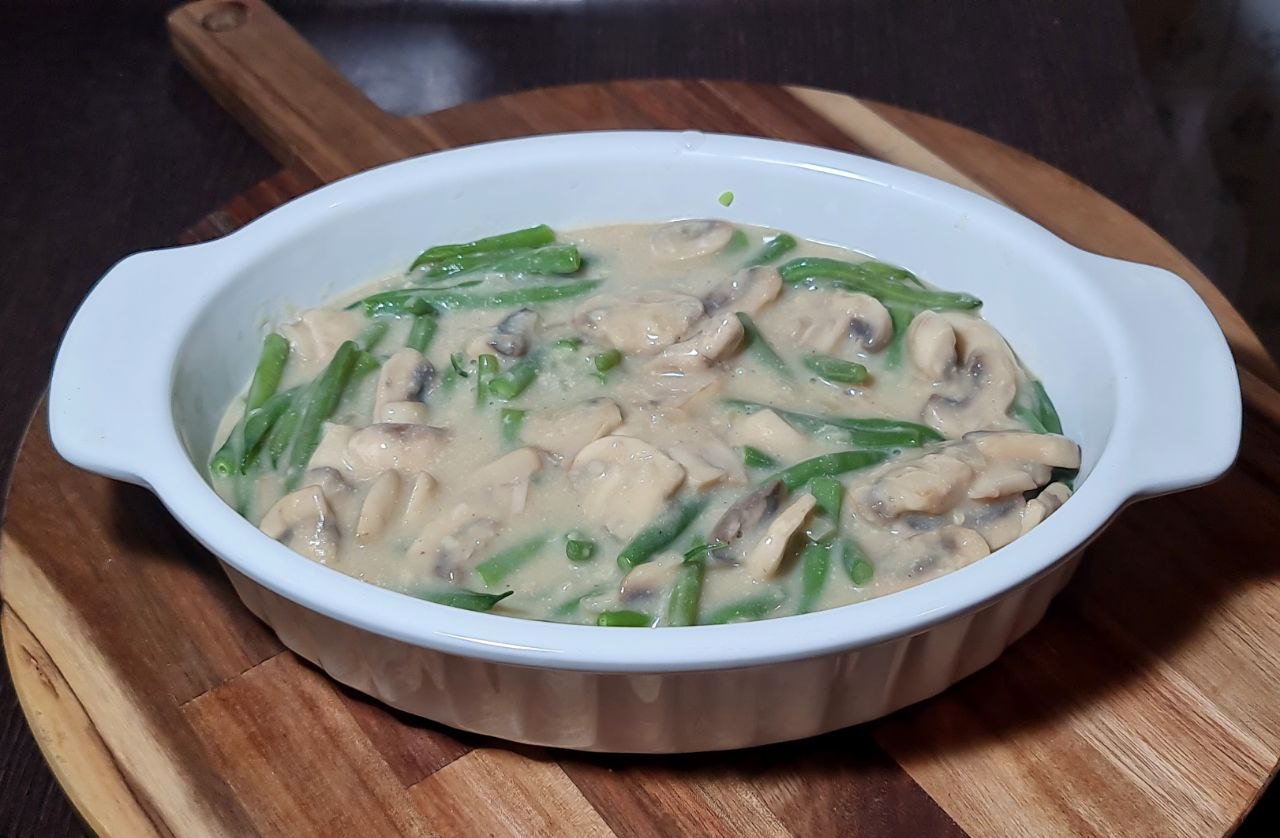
[678,241]
[717,339]
[401,379]
[329,480]
[421,495]
[769,432]
[707,463]
[404,413]
[506,479]
[623,482]
[642,323]
[645,581]
[931,345]
[932,484]
[450,543]
[1041,507]
[744,516]
[514,333]
[999,522]
[1023,446]
[748,291]
[765,557]
[563,433]
[408,448]
[825,321]
[316,335]
[332,450]
[305,522]
[978,385]
[379,505]
[1000,479]
[950,546]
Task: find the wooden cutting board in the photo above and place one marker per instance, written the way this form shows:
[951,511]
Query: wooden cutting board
[1147,703]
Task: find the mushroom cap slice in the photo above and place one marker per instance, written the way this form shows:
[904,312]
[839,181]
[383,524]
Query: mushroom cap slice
[566,431]
[747,291]
[401,379]
[408,448]
[678,241]
[828,320]
[931,345]
[641,323]
[624,482]
[306,520]
[945,548]
[763,560]
[976,391]
[931,485]
[769,432]
[1044,505]
[379,505]
[1050,450]
[745,515]
[315,336]
[1000,479]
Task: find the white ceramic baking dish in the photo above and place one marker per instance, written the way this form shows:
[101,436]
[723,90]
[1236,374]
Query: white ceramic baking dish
[1140,372]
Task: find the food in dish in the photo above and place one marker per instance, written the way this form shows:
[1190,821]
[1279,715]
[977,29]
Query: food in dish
[675,424]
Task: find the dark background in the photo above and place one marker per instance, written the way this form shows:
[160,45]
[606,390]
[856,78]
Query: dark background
[107,147]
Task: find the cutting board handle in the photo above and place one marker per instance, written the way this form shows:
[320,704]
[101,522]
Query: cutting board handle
[284,92]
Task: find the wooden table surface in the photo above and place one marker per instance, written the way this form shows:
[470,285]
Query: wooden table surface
[109,147]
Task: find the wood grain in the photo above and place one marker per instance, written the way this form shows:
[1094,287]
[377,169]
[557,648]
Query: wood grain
[1154,716]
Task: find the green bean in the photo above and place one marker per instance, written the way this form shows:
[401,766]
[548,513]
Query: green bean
[752,608]
[836,369]
[1035,410]
[527,237]
[569,606]
[246,438]
[661,532]
[756,342]
[465,263]
[682,605]
[737,241]
[282,431]
[753,457]
[374,332]
[423,300]
[826,465]
[884,282]
[320,405]
[266,376]
[578,548]
[420,334]
[515,380]
[544,261]
[501,565]
[901,317]
[462,598]
[606,361]
[458,362]
[869,433]
[815,561]
[365,363]
[624,619]
[259,423]
[571,344]
[486,368]
[855,562]
[510,422]
[773,251]
[829,493]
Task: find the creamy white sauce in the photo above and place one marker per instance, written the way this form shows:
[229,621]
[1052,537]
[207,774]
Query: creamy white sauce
[418,504]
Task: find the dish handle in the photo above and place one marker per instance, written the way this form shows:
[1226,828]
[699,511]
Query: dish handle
[1180,415]
[111,374]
